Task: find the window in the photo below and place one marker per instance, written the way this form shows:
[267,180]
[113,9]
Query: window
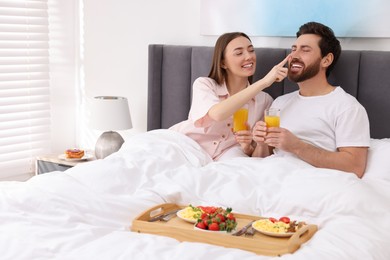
[24,85]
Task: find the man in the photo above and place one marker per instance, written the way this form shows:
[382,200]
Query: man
[320,123]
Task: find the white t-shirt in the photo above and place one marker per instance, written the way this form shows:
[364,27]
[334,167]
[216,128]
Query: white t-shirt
[329,121]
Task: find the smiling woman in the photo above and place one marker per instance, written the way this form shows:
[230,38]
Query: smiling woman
[227,89]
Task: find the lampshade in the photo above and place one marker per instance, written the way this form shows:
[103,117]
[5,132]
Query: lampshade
[110,113]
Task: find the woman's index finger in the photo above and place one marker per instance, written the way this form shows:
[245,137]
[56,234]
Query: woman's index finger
[283,62]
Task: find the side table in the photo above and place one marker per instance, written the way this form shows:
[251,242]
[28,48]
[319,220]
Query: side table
[49,163]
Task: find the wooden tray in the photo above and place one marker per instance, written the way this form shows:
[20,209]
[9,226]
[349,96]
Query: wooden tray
[184,231]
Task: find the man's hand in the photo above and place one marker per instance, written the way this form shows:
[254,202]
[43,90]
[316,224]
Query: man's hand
[259,136]
[282,139]
[259,132]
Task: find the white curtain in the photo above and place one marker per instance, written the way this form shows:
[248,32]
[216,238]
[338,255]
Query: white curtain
[24,85]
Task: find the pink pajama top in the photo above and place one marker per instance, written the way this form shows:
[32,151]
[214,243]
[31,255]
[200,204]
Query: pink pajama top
[216,137]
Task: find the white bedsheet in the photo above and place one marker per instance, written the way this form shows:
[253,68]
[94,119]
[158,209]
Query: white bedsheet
[86,212]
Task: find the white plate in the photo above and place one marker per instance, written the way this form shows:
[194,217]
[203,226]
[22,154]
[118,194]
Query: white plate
[272,234]
[190,220]
[85,157]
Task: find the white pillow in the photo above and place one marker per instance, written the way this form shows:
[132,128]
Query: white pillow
[378,163]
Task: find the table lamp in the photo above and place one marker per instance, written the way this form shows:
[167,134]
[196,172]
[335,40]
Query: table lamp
[109,114]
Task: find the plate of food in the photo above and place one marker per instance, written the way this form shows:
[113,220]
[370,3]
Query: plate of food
[282,227]
[209,218]
[215,219]
[190,214]
[75,154]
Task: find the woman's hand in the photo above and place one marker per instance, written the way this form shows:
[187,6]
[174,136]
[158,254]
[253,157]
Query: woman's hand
[244,138]
[277,73]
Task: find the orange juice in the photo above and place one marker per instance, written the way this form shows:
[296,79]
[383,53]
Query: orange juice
[272,121]
[240,117]
[272,117]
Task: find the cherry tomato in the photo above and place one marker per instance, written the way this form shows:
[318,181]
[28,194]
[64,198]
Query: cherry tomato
[273,220]
[285,220]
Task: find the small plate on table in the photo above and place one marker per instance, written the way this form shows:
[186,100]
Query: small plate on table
[84,158]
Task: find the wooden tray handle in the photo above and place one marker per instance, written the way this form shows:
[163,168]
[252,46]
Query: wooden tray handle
[301,236]
[157,210]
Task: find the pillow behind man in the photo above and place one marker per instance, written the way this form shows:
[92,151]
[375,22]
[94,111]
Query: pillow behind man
[378,161]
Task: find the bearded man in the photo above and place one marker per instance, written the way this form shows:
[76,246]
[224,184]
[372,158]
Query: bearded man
[321,124]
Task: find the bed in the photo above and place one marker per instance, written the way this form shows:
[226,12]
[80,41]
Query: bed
[87,211]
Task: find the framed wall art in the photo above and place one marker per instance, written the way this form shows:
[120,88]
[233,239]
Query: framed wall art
[282,18]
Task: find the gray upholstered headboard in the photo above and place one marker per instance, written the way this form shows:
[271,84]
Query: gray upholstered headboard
[173,69]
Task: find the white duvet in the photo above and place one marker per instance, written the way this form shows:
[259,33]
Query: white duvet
[87,211]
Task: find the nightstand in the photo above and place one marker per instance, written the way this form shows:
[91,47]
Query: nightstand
[49,163]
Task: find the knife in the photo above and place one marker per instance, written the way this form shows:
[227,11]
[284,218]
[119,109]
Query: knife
[159,217]
[243,230]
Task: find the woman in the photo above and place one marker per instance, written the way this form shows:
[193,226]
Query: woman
[224,91]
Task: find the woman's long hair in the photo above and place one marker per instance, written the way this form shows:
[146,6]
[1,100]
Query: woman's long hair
[217,72]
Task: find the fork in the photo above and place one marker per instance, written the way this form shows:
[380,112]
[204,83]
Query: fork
[243,230]
[250,231]
[164,217]
[168,217]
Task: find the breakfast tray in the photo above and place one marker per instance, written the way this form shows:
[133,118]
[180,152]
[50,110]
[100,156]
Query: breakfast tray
[184,231]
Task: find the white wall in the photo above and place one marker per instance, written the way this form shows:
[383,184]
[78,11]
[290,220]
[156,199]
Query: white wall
[117,34]
[63,20]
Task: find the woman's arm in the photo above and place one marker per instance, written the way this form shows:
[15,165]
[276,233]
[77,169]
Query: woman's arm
[259,132]
[226,108]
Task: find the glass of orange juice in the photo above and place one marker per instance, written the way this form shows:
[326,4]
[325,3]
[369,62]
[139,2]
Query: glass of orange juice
[240,119]
[272,117]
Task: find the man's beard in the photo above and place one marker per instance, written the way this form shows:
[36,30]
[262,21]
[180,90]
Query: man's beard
[305,74]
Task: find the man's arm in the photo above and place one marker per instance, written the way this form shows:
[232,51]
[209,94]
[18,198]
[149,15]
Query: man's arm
[349,159]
